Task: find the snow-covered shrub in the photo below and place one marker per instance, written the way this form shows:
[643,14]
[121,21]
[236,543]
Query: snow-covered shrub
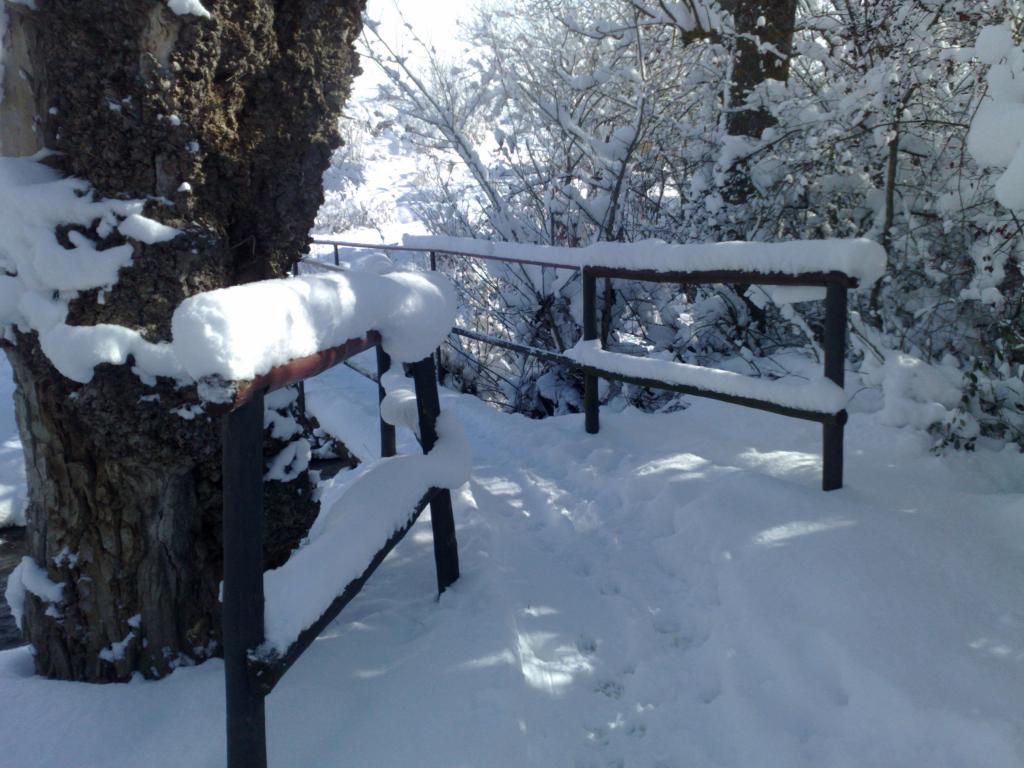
[574,122]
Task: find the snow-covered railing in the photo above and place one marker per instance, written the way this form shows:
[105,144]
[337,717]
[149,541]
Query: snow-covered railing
[832,265]
[244,342]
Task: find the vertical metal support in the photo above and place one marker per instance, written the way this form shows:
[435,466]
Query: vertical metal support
[387,431]
[337,258]
[446,548]
[302,399]
[835,360]
[437,353]
[302,384]
[590,396]
[242,613]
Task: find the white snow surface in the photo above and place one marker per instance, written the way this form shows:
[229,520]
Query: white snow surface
[241,332]
[76,350]
[42,276]
[858,258]
[236,333]
[353,527]
[819,395]
[34,201]
[188,8]
[674,591]
[996,136]
[28,576]
[147,230]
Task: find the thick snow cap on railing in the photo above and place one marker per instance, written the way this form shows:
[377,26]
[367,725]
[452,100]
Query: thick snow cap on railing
[349,532]
[242,332]
[816,396]
[860,259]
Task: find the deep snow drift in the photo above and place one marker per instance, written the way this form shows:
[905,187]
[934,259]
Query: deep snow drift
[672,592]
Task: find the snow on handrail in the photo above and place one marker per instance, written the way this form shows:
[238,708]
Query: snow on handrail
[448,251]
[249,332]
[860,260]
[816,396]
[351,531]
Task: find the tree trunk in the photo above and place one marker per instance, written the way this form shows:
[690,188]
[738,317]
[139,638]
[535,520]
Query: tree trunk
[225,125]
[762,47]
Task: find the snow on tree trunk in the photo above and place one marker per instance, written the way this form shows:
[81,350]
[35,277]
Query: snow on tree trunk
[763,43]
[222,116]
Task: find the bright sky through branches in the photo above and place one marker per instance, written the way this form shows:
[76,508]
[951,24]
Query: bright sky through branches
[433,22]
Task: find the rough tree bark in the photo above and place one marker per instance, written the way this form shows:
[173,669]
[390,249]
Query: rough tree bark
[763,45]
[124,494]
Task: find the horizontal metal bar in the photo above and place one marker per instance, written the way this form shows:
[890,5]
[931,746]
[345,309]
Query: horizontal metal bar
[563,360]
[361,371]
[268,672]
[367,246]
[323,265]
[407,249]
[543,354]
[749,402]
[294,371]
[809,279]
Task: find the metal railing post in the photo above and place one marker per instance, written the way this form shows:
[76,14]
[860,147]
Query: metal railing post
[442,521]
[835,361]
[591,405]
[242,613]
[387,431]
[437,353]
[302,384]
[337,258]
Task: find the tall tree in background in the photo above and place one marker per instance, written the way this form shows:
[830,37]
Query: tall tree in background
[762,46]
[222,117]
[689,122]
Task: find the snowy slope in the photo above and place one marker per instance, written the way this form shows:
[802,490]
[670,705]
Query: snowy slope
[673,592]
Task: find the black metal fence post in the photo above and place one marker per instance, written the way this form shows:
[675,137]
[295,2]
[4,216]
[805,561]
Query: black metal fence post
[337,257]
[387,431]
[437,353]
[301,384]
[446,549]
[242,613]
[591,404]
[835,362]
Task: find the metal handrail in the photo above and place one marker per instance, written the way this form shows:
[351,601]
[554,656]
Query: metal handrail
[835,283]
[409,249]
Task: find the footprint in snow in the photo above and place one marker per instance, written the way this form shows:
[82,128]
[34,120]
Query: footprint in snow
[683,635]
[610,688]
[636,729]
[596,734]
[708,685]
[586,644]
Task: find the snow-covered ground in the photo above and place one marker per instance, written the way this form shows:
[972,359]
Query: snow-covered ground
[675,591]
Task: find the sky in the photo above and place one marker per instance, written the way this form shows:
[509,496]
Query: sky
[434,22]
[435,19]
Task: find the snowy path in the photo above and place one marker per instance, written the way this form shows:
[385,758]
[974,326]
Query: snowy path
[675,591]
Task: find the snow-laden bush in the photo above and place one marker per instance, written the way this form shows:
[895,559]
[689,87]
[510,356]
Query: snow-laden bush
[573,122]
